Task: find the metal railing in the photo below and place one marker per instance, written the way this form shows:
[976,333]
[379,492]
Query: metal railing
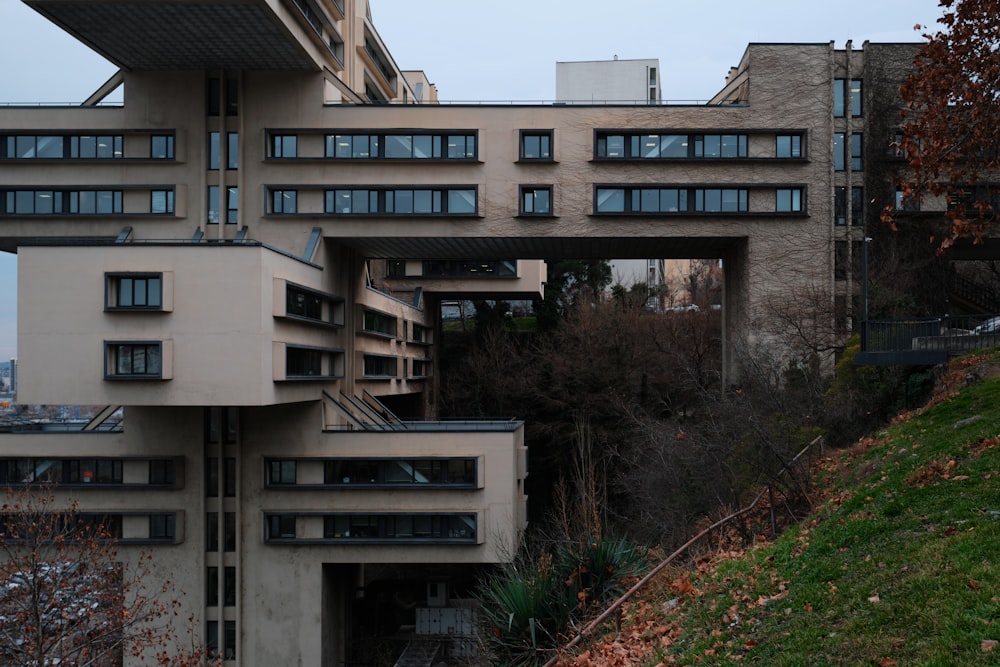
[947,333]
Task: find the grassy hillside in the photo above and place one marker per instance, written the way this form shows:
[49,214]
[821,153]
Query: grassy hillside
[899,564]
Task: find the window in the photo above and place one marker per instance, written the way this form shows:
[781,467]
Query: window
[229,477]
[212,477]
[788,200]
[380,323]
[136,361]
[281,527]
[214,150]
[856,99]
[840,206]
[839,98]
[229,588]
[857,206]
[212,587]
[536,145]
[161,147]
[422,146]
[229,531]
[839,151]
[229,650]
[161,202]
[281,472]
[303,303]
[232,150]
[856,162]
[17,471]
[535,200]
[638,200]
[612,145]
[788,146]
[456,268]
[61,147]
[211,531]
[459,528]
[134,291]
[377,366]
[284,146]
[403,201]
[284,201]
[212,631]
[61,202]
[163,527]
[162,472]
[906,203]
[840,260]
[430,472]
[312,363]
[232,204]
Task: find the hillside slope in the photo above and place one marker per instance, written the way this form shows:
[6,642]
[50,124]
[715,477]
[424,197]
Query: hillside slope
[899,564]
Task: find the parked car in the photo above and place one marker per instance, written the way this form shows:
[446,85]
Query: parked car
[990,326]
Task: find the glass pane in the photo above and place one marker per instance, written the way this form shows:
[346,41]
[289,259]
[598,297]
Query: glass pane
[838,97]
[397,146]
[233,151]
[611,200]
[615,145]
[213,150]
[461,201]
[50,147]
[650,146]
[673,145]
[423,146]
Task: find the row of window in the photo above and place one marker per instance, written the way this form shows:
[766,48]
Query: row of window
[78,202]
[537,200]
[383,146]
[533,145]
[159,527]
[427,472]
[640,200]
[78,471]
[78,146]
[453,528]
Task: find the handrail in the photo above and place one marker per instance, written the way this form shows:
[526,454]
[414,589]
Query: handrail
[590,627]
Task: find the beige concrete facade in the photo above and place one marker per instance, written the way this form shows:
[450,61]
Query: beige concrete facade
[270,328]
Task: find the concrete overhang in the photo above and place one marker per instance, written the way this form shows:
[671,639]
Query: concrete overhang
[182,34]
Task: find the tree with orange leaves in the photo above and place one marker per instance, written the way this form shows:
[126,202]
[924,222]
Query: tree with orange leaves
[951,119]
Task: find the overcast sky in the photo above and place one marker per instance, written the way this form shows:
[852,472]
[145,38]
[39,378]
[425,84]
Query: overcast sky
[485,50]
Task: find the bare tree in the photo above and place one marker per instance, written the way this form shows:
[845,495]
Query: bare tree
[67,597]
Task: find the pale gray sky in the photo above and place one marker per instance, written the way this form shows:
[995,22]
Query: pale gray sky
[500,51]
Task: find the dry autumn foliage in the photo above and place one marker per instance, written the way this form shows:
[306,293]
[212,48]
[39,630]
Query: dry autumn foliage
[69,598]
[951,129]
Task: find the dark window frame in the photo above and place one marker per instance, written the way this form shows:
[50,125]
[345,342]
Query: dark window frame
[151,284]
[115,358]
[546,146]
[531,192]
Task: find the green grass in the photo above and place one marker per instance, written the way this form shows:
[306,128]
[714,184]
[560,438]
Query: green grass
[900,564]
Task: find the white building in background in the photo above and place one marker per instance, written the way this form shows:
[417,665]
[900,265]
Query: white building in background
[609,81]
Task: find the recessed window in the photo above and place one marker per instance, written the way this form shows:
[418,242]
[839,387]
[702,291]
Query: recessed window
[379,323]
[309,304]
[788,200]
[161,147]
[163,527]
[856,158]
[281,527]
[839,98]
[140,291]
[284,146]
[161,202]
[637,200]
[536,145]
[136,361]
[61,146]
[857,206]
[401,201]
[459,528]
[788,146]
[378,366]
[401,472]
[312,363]
[281,472]
[856,98]
[459,268]
[232,150]
[839,151]
[630,146]
[535,200]
[232,204]
[214,150]
[284,201]
[840,206]
[61,202]
[161,472]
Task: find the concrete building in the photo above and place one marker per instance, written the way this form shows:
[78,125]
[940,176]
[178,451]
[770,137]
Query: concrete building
[609,81]
[243,262]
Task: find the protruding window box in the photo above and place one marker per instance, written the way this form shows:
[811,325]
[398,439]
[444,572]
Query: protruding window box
[139,291]
[304,362]
[307,305]
[373,528]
